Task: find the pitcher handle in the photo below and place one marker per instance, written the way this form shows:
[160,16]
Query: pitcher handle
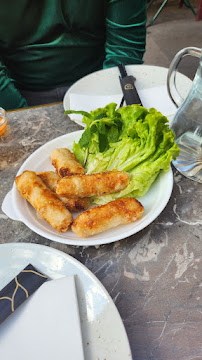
[171,78]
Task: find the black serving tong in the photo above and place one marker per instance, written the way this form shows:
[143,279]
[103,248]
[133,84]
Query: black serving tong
[130,94]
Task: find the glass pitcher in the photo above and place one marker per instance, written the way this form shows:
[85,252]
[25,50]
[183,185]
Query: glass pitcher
[187,122]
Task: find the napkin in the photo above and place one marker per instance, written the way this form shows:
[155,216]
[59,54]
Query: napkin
[156,97]
[19,289]
[46,326]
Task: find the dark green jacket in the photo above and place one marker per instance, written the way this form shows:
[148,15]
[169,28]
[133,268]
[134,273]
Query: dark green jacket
[46,44]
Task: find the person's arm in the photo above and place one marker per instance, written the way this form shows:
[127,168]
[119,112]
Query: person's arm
[125,32]
[10,97]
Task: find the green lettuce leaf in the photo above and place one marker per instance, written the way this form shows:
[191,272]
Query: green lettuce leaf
[103,126]
[132,139]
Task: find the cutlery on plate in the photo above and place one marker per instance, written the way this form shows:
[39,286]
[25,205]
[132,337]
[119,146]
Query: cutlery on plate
[128,87]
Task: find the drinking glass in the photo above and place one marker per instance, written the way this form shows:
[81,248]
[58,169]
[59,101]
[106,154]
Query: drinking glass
[3,120]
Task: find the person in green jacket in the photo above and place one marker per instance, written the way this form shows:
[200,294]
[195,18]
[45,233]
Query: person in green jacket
[47,45]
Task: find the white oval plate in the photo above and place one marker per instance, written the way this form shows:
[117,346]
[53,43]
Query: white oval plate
[19,209]
[104,335]
[106,83]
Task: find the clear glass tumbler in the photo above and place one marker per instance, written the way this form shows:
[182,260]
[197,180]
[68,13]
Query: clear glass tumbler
[3,121]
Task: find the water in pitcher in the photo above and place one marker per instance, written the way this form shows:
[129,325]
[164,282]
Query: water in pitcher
[189,162]
[187,125]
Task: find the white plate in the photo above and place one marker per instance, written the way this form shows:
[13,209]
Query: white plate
[104,336]
[106,83]
[19,209]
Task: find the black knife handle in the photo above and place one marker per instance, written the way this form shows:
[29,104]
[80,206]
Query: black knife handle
[122,70]
[129,91]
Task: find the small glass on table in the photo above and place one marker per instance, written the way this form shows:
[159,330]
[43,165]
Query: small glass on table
[3,121]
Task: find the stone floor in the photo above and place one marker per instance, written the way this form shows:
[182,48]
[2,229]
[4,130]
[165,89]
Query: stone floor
[174,29]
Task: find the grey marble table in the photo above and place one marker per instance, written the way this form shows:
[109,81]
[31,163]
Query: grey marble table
[154,277]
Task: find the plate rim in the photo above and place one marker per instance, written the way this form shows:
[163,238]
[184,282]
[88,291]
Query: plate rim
[61,253]
[87,273]
[88,241]
[130,66]
[79,122]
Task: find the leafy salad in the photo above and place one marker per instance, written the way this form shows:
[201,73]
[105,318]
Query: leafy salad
[131,139]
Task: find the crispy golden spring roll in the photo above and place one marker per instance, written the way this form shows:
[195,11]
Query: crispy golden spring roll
[50,179]
[45,202]
[104,217]
[65,162]
[92,185]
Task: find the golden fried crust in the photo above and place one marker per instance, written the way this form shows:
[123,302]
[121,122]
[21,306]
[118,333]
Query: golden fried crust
[104,217]
[66,163]
[92,185]
[50,179]
[45,202]
[77,205]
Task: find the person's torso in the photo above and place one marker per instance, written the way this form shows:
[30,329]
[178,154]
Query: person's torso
[48,43]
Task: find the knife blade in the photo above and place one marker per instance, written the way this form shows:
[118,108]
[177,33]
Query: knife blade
[128,87]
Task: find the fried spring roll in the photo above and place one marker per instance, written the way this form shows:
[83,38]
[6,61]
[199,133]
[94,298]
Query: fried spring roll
[50,179]
[92,185]
[65,162]
[104,217]
[45,202]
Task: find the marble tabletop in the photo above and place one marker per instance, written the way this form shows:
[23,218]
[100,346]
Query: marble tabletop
[154,277]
